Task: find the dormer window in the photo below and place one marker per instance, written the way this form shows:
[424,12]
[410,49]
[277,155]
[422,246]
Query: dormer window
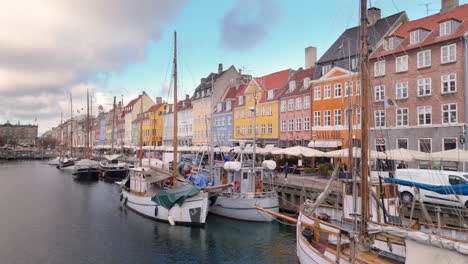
[292,86]
[392,42]
[271,92]
[219,107]
[228,106]
[415,36]
[448,27]
[306,83]
[241,99]
[326,68]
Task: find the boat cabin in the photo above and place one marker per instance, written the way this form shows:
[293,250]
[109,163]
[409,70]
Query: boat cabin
[146,182]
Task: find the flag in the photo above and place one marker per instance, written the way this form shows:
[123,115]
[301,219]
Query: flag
[388,103]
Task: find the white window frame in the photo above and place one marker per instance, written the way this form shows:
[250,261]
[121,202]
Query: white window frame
[269,129]
[291,125]
[358,116]
[337,121]
[379,68]
[422,85]
[270,94]
[327,91]
[419,144]
[307,102]
[263,131]
[291,105]
[283,105]
[424,59]
[401,90]
[298,124]
[306,123]
[270,110]
[327,118]
[449,77]
[423,110]
[379,93]
[358,87]
[450,53]
[317,118]
[400,117]
[449,112]
[337,89]
[401,63]
[263,110]
[317,93]
[415,36]
[298,103]
[284,125]
[348,88]
[241,99]
[445,28]
[379,116]
[407,142]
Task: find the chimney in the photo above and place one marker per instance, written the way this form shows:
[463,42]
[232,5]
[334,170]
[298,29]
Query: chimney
[158,100]
[310,57]
[373,14]
[220,68]
[187,97]
[240,71]
[448,5]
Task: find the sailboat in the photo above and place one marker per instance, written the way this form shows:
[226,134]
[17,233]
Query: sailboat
[67,162]
[158,194]
[368,240]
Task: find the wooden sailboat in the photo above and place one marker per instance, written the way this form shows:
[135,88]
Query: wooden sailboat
[68,161]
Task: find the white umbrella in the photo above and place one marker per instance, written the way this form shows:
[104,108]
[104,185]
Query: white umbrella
[344,153]
[406,155]
[268,150]
[299,151]
[451,155]
[224,149]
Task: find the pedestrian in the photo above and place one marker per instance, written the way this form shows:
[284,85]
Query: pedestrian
[286,170]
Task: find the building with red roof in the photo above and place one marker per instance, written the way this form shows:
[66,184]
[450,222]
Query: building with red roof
[130,112]
[421,68]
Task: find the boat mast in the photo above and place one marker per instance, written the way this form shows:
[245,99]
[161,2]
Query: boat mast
[71,126]
[86,147]
[211,128]
[141,131]
[61,134]
[174,161]
[113,127]
[365,122]
[91,125]
[121,108]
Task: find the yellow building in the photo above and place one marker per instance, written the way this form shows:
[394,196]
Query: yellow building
[262,94]
[153,126]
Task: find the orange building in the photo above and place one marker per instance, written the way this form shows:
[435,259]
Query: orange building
[332,96]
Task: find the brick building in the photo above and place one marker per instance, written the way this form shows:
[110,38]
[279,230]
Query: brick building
[19,134]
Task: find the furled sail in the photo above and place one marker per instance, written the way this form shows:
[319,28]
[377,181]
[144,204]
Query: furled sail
[309,206]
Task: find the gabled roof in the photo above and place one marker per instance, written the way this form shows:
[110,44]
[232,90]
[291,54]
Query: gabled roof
[299,77]
[348,44]
[155,107]
[240,91]
[333,71]
[188,104]
[274,81]
[206,83]
[431,23]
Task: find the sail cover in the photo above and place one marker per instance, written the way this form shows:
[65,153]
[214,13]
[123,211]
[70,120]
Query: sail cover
[460,189]
[168,198]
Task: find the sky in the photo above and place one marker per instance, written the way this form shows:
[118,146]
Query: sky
[50,49]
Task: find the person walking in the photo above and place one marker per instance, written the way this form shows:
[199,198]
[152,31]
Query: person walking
[286,170]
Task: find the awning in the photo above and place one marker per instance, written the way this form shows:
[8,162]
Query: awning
[325,143]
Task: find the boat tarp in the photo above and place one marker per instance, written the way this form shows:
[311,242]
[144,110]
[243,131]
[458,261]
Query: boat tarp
[200,179]
[460,189]
[169,198]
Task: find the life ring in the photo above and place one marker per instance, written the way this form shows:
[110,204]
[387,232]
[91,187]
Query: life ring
[236,185]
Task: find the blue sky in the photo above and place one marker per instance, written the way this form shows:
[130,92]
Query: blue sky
[293,26]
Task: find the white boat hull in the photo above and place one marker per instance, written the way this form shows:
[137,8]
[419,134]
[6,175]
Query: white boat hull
[192,212]
[241,208]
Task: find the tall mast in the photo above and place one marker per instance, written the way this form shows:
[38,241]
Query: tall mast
[211,127]
[174,161]
[141,131]
[61,134]
[71,126]
[113,126]
[365,123]
[91,134]
[121,133]
[86,146]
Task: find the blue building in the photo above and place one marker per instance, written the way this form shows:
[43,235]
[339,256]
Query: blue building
[223,118]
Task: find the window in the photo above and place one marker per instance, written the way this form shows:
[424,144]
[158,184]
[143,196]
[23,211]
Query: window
[283,126]
[263,129]
[354,63]
[317,118]
[326,91]
[306,83]
[449,83]
[270,110]
[306,102]
[243,130]
[229,120]
[306,123]
[326,68]
[448,53]
[270,94]
[298,103]
[349,88]
[257,111]
[358,87]
[290,125]
[317,93]
[298,124]
[415,37]
[402,143]
[241,99]
[445,28]
[338,90]
[401,63]
[389,43]
[249,97]
[249,113]
[380,118]
[337,117]
[424,87]
[228,106]
[449,113]
[292,86]
[424,59]
[263,110]
[455,180]
[327,118]
[358,116]
[402,117]
[243,114]
[425,145]
[449,143]
[237,114]
[249,130]
[283,106]
[290,104]
[424,115]
[237,130]
[402,90]
[379,68]
[379,93]
[270,129]
[380,144]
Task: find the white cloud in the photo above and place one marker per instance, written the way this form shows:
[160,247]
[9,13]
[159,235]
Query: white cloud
[49,48]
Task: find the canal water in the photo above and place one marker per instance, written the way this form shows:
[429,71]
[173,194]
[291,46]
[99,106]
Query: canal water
[48,217]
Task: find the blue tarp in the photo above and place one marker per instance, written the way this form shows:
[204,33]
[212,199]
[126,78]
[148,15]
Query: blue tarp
[200,179]
[169,198]
[460,189]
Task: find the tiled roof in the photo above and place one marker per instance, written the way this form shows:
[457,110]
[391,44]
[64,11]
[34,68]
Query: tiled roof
[206,84]
[299,77]
[430,23]
[272,81]
[188,104]
[240,92]
[154,107]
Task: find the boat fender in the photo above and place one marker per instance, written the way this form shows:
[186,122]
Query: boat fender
[156,211]
[126,200]
[171,220]
[236,185]
[121,197]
